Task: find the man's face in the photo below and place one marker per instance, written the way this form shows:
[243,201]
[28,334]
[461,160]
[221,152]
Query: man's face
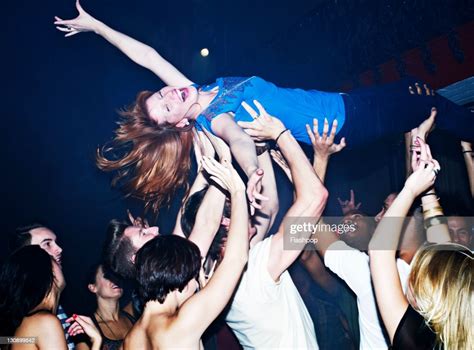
[364,228]
[139,236]
[252,231]
[460,231]
[46,239]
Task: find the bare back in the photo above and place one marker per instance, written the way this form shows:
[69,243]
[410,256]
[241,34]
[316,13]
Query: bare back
[160,332]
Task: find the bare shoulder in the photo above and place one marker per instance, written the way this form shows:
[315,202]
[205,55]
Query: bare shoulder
[46,327]
[42,321]
[136,338]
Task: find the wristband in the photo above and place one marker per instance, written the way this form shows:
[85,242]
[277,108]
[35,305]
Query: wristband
[467,151]
[276,140]
[428,194]
[262,149]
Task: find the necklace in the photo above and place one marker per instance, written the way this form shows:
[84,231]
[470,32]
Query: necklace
[110,329]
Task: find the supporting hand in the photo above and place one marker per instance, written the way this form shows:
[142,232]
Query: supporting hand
[264,126]
[323,145]
[223,174]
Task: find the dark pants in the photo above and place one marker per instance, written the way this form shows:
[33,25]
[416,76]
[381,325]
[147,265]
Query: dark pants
[376,112]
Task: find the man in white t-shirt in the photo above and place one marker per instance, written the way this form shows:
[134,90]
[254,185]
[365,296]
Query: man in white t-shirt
[347,259]
[267,311]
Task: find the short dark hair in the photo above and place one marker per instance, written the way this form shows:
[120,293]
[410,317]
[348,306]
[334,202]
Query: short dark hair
[118,250]
[25,279]
[22,236]
[164,264]
[188,219]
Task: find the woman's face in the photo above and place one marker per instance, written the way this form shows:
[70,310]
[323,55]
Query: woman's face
[172,105]
[105,288]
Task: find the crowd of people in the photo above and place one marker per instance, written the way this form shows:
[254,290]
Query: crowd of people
[402,279]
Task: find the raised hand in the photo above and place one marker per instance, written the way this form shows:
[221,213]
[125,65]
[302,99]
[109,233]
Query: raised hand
[137,221]
[254,189]
[349,204]
[425,169]
[423,177]
[281,161]
[264,126]
[223,174]
[421,155]
[83,324]
[84,22]
[323,145]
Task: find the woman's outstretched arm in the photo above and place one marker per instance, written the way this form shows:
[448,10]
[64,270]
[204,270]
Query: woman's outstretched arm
[382,248]
[140,53]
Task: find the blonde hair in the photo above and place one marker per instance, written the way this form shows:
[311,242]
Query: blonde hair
[442,282]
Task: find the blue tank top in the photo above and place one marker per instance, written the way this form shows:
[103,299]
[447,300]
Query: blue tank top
[294,107]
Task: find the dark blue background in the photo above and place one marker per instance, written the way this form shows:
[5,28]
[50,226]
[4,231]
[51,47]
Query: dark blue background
[61,96]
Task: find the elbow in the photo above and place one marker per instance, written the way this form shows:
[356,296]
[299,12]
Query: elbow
[315,200]
[272,206]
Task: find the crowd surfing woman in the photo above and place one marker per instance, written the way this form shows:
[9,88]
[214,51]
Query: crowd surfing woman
[436,312]
[158,125]
[31,283]
[112,322]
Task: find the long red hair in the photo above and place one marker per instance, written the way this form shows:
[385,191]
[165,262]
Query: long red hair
[151,161]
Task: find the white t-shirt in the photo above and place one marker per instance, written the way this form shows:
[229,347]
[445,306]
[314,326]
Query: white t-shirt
[353,267]
[265,314]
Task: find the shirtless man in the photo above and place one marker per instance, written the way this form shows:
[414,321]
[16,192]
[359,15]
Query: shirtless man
[168,268]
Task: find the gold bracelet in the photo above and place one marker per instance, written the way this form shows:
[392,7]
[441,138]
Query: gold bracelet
[434,208]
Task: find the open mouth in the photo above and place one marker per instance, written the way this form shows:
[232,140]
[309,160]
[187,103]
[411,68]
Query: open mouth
[183,93]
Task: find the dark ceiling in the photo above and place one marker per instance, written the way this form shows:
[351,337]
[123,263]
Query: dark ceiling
[314,44]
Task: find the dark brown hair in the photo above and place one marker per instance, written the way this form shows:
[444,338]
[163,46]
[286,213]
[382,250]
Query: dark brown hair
[118,250]
[157,159]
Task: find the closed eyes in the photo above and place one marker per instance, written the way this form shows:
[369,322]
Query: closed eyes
[166,106]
